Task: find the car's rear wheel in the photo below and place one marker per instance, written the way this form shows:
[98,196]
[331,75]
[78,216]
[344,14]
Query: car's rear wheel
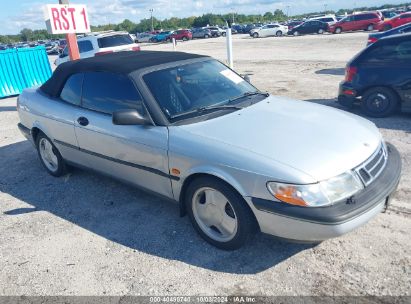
[224,34]
[49,155]
[370,27]
[206,36]
[255,35]
[320,31]
[279,33]
[338,30]
[219,214]
[296,33]
[379,102]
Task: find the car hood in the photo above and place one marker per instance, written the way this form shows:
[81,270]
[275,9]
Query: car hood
[318,140]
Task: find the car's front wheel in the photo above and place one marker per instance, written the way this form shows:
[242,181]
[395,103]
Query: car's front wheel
[370,27]
[338,30]
[185,38]
[255,35]
[379,102]
[296,33]
[279,33]
[49,155]
[219,214]
[320,31]
[206,36]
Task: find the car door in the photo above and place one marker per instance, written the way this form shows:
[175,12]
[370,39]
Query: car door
[60,118]
[134,153]
[403,19]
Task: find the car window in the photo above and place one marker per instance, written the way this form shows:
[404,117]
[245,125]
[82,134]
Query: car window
[85,46]
[71,92]
[188,87]
[114,40]
[109,92]
[405,16]
[390,52]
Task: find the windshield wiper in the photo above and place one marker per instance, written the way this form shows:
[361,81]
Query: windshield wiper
[207,109]
[248,94]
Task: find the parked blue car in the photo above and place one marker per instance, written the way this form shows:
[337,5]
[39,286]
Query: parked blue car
[374,37]
[163,36]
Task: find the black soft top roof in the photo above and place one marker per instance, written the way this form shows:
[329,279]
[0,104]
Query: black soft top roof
[118,62]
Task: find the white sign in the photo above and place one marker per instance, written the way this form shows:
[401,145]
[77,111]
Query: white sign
[64,19]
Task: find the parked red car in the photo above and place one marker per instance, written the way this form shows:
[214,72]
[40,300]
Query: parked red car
[357,22]
[394,22]
[181,35]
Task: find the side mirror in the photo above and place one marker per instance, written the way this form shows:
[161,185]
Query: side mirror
[247,78]
[129,117]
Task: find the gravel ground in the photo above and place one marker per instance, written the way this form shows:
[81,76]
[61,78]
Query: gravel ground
[85,234]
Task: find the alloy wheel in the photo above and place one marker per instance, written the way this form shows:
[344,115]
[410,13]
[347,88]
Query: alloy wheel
[214,214]
[47,154]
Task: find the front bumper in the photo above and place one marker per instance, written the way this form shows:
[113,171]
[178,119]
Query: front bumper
[317,224]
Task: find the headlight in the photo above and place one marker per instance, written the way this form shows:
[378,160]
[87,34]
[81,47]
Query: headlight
[317,195]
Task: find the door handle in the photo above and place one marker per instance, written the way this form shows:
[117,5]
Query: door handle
[82,121]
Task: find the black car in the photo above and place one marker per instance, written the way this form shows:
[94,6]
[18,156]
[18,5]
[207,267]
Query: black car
[374,37]
[309,27]
[379,78]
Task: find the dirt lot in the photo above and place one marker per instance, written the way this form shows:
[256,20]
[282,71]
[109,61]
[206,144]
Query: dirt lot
[89,235]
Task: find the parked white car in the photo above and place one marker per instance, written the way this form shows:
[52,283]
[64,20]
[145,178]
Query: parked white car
[329,19]
[269,30]
[144,37]
[100,43]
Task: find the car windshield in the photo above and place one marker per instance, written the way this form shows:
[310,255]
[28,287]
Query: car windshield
[114,40]
[195,86]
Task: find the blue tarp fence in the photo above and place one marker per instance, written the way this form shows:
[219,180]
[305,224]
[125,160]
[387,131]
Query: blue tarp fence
[23,68]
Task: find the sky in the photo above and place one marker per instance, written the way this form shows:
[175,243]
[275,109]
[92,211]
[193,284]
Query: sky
[19,14]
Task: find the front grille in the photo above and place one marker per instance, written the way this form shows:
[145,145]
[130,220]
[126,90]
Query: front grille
[373,166]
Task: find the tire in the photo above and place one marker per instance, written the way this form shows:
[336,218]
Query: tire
[370,27]
[53,163]
[320,31]
[279,33]
[223,34]
[255,35]
[379,102]
[185,38]
[155,40]
[226,205]
[338,30]
[296,33]
[206,36]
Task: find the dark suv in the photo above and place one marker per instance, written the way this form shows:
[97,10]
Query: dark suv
[357,22]
[379,78]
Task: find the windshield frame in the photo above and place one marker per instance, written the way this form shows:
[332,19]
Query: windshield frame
[158,114]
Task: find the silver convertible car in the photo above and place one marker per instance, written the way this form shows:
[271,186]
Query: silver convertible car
[235,159]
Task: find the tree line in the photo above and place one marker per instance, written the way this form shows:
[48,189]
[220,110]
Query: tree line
[188,22]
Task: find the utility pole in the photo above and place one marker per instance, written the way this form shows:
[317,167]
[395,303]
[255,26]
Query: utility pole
[288,12]
[71,40]
[233,14]
[152,24]
[325,8]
